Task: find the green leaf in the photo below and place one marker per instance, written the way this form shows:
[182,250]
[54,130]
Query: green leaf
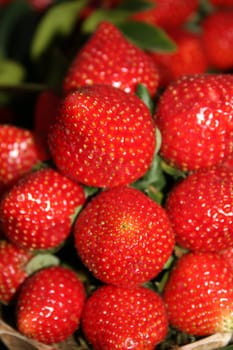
[143,93]
[11,72]
[58,20]
[9,18]
[147,37]
[41,260]
[136,5]
[100,15]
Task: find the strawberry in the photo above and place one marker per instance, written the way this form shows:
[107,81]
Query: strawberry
[217,34]
[199,294]
[167,13]
[194,116]
[102,136]
[20,151]
[36,213]
[221,3]
[200,209]
[109,58]
[12,269]
[124,318]
[123,236]
[189,57]
[40,5]
[50,304]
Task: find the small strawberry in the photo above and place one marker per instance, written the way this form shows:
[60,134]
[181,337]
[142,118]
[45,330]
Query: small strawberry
[167,13]
[189,57]
[123,236]
[40,5]
[194,116]
[12,269]
[36,213]
[217,34]
[124,318]
[103,136]
[20,151]
[200,209]
[50,304]
[109,58]
[199,294]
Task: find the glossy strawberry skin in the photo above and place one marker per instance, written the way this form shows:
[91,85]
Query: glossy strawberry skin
[12,269]
[102,137]
[36,213]
[200,210]
[109,58]
[194,116]
[167,13]
[124,318]
[123,237]
[199,294]
[20,150]
[50,304]
[217,34]
[188,58]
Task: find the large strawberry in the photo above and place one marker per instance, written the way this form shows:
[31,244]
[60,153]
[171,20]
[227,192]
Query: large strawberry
[199,294]
[37,212]
[200,209]
[217,34]
[124,318]
[12,269]
[194,116]
[20,150]
[123,236]
[103,136]
[189,57]
[109,58]
[50,304]
[167,13]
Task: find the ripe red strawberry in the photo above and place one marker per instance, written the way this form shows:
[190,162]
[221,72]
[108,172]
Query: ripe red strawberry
[221,3]
[123,236]
[20,150]
[189,57]
[103,136]
[199,294]
[217,34]
[36,213]
[12,269]
[124,318]
[194,116]
[50,304]
[200,209]
[109,58]
[167,13]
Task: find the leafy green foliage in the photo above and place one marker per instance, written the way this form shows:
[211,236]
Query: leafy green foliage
[59,20]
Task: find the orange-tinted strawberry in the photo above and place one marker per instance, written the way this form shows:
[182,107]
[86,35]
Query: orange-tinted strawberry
[194,116]
[20,150]
[103,136]
[123,236]
[199,294]
[109,58]
[189,57]
[167,13]
[12,269]
[217,34]
[50,304]
[124,318]
[36,213]
[200,209]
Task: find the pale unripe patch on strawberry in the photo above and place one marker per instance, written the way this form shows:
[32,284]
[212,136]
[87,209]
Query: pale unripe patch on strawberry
[103,137]
[123,237]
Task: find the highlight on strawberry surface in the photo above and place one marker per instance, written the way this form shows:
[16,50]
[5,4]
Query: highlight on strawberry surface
[116,174]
